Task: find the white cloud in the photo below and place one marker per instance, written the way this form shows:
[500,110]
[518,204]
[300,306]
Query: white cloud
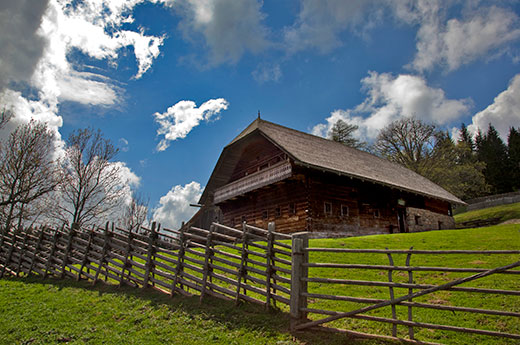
[182,117]
[503,113]
[123,144]
[174,207]
[229,28]
[22,45]
[266,72]
[392,97]
[455,42]
[320,22]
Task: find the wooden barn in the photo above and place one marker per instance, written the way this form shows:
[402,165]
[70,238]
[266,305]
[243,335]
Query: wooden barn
[271,173]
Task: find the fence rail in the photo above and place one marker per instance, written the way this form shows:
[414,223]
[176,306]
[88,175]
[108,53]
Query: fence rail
[250,264]
[310,278]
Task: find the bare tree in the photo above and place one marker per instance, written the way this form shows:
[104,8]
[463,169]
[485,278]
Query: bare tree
[27,170]
[91,185]
[5,116]
[409,142]
[136,213]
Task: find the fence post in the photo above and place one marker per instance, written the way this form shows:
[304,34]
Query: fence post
[126,263]
[37,248]
[180,259]
[300,241]
[85,260]
[104,251]
[67,250]
[269,263]
[410,291]
[52,252]
[243,263]
[23,249]
[207,257]
[9,253]
[149,256]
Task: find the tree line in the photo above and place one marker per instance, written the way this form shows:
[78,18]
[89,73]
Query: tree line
[469,167]
[78,184]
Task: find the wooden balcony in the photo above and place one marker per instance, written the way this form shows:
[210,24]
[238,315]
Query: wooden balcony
[275,173]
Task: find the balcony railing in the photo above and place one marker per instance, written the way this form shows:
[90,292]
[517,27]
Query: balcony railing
[259,179]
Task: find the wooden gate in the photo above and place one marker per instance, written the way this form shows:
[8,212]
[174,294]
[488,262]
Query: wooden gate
[304,284]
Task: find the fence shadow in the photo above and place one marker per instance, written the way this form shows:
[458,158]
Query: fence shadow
[245,316]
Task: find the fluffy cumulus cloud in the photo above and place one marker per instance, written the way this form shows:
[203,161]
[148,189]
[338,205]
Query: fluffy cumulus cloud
[182,117]
[37,39]
[391,97]
[449,33]
[319,23]
[457,41]
[503,113]
[22,45]
[229,28]
[174,207]
[267,72]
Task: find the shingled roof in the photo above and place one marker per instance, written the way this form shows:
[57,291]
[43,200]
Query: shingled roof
[326,155]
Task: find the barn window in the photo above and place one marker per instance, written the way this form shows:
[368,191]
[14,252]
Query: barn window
[327,208]
[278,212]
[377,214]
[292,208]
[440,225]
[417,220]
[344,210]
[265,214]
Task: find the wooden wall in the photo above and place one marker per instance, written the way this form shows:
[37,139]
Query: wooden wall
[270,204]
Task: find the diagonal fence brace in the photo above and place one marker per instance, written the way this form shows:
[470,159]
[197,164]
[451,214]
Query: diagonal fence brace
[408,297]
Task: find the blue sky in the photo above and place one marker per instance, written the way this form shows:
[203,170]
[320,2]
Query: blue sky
[172,82]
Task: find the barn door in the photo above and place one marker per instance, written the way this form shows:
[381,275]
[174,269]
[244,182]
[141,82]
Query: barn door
[401,218]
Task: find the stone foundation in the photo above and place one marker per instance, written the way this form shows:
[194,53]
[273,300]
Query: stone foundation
[423,220]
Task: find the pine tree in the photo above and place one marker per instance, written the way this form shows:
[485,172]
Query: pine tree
[343,132]
[513,149]
[493,152]
[465,137]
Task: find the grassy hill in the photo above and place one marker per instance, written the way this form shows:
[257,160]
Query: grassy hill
[504,212]
[36,311]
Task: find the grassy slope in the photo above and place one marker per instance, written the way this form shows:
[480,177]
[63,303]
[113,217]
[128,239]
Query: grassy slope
[51,311]
[505,212]
[496,238]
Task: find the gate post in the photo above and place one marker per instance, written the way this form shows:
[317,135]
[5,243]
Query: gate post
[300,241]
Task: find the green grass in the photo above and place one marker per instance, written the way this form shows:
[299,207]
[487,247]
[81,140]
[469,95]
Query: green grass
[504,212]
[490,238]
[36,311]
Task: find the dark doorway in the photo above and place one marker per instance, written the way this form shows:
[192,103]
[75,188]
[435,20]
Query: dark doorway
[401,217]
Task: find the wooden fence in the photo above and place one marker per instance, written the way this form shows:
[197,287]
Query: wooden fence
[250,264]
[304,296]
[260,266]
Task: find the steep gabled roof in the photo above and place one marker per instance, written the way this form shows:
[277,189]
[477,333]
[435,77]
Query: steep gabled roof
[326,155]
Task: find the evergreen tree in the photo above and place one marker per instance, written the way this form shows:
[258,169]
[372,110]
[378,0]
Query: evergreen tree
[493,152]
[465,137]
[343,132]
[513,149]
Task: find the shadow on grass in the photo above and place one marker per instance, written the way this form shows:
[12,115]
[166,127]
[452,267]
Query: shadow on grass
[245,315]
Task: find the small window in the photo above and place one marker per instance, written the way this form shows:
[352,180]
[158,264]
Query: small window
[292,208]
[327,208]
[440,225]
[417,220]
[278,212]
[265,214]
[376,213]
[344,210]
